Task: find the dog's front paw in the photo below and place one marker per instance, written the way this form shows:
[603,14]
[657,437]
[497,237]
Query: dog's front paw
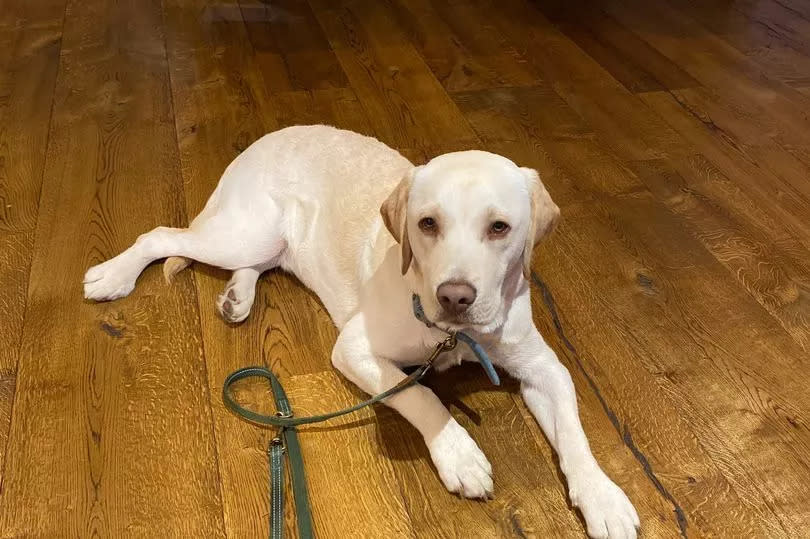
[608,512]
[462,466]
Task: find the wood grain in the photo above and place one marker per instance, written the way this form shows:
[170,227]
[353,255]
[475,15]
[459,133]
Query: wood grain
[762,256]
[110,426]
[29,59]
[290,47]
[784,206]
[674,135]
[361,481]
[458,48]
[404,102]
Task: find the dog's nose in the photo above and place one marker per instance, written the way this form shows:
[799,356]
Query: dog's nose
[455,297]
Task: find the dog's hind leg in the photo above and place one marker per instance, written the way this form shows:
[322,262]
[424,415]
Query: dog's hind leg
[236,300]
[226,239]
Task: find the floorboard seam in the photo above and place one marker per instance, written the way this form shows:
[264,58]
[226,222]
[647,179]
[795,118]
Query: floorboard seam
[623,430]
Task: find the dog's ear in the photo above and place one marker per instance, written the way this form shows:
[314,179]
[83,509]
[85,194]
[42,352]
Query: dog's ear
[543,217]
[394,213]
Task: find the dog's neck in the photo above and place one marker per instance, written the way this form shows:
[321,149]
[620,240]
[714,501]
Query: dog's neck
[477,349]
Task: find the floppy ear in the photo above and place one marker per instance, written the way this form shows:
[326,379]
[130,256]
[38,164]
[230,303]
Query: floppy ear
[543,217]
[394,213]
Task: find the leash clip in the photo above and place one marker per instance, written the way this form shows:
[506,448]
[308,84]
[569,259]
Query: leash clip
[450,342]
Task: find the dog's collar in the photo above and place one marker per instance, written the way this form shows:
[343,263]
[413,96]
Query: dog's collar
[477,349]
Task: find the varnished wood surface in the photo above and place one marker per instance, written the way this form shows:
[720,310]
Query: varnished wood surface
[674,135]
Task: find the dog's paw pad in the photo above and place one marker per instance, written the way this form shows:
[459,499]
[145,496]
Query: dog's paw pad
[234,304]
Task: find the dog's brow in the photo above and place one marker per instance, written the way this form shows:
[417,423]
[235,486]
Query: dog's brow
[494,212]
[431,210]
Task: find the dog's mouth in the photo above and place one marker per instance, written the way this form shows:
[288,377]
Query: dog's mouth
[456,320]
[480,319]
[463,322]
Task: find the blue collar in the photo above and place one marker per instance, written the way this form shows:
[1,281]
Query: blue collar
[476,348]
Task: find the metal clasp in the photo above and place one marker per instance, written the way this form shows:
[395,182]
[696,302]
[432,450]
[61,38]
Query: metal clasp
[278,440]
[445,346]
[450,342]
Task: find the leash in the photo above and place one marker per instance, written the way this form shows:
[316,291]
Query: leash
[286,441]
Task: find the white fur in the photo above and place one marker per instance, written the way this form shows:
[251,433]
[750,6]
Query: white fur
[307,198]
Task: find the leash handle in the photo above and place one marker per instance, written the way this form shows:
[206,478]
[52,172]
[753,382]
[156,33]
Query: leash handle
[285,442]
[287,439]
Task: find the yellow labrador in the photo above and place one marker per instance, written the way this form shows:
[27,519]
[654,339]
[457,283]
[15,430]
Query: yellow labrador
[365,229]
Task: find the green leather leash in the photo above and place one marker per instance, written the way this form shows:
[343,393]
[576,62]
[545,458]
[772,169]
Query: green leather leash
[287,439]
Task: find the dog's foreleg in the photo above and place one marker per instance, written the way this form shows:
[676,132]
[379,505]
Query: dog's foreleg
[549,393]
[462,466]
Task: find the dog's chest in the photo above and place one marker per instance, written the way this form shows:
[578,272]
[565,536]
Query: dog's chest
[450,359]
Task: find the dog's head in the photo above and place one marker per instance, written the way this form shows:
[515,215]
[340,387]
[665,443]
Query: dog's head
[467,223]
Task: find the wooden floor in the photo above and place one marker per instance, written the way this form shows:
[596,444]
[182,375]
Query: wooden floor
[673,134]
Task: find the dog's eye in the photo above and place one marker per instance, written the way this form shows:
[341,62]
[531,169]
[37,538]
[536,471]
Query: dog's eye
[498,228]
[427,224]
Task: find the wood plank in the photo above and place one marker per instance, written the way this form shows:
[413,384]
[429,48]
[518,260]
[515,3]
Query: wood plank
[791,27]
[764,44]
[586,86]
[462,53]
[405,104]
[111,427]
[770,264]
[795,8]
[289,46]
[691,445]
[751,136]
[725,70]
[736,361]
[29,58]
[15,259]
[351,479]
[785,206]
[28,64]
[630,60]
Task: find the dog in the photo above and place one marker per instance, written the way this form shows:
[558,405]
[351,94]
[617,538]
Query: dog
[365,229]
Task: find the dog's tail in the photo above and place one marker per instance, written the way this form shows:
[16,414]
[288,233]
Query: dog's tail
[173,266]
